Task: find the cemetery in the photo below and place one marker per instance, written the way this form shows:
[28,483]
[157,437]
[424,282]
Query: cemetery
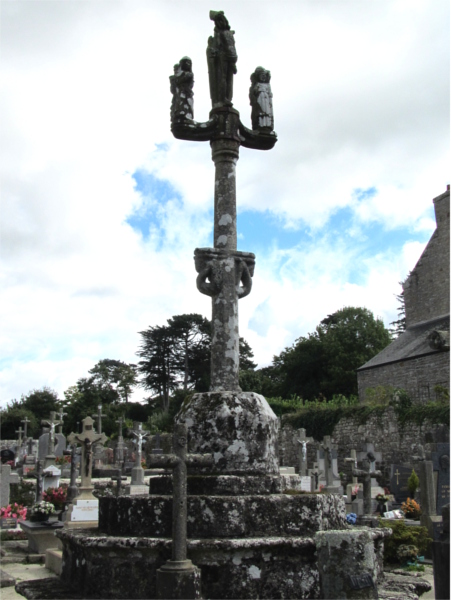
[235,501]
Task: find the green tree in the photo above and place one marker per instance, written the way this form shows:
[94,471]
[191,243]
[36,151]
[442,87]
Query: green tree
[177,355]
[400,324]
[36,405]
[324,362]
[117,376]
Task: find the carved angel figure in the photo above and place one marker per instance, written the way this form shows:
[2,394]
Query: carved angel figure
[260,97]
[182,82]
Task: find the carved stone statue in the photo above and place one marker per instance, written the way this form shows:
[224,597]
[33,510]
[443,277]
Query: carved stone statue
[182,82]
[260,97]
[221,58]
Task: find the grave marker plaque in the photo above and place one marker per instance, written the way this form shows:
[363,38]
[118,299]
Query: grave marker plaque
[398,482]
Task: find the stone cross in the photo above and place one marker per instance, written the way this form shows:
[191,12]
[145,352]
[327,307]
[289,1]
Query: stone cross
[25,425]
[39,476]
[61,414]
[303,441]
[224,273]
[118,479]
[87,439]
[52,423]
[365,474]
[99,416]
[20,439]
[138,471]
[353,459]
[72,490]
[328,448]
[178,462]
[315,473]
[120,442]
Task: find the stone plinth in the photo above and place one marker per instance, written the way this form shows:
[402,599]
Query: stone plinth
[238,428]
[280,567]
[350,563]
[41,537]
[224,516]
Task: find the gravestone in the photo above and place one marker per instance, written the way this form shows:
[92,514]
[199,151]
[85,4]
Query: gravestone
[85,508]
[399,475]
[441,558]
[51,477]
[425,471]
[6,479]
[366,475]
[44,445]
[137,480]
[327,461]
[440,459]
[120,450]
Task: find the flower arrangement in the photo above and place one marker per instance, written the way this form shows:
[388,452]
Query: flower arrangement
[56,496]
[355,490]
[407,552]
[411,509]
[351,518]
[42,508]
[13,511]
[143,463]
[63,460]
[382,498]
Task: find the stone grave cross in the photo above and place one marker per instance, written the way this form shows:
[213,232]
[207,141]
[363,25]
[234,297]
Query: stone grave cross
[25,424]
[353,459]
[87,439]
[178,462]
[329,450]
[303,441]
[39,476]
[120,446]
[99,416]
[61,414]
[137,471]
[224,273]
[365,474]
[20,439]
[52,423]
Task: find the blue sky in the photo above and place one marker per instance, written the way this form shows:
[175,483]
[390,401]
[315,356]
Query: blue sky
[104,208]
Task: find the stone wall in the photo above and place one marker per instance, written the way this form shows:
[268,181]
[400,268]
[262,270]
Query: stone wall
[417,376]
[388,437]
[426,290]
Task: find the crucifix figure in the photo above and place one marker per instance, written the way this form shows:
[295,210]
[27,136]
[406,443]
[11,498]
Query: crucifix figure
[51,423]
[303,441]
[365,474]
[99,416]
[315,474]
[178,462]
[87,438]
[224,273]
[61,414]
[138,471]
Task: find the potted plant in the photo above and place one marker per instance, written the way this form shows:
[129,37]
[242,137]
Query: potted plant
[41,511]
[411,509]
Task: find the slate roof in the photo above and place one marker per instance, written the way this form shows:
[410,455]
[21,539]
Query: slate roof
[412,343]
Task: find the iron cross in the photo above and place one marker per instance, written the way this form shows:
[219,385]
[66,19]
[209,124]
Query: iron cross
[224,273]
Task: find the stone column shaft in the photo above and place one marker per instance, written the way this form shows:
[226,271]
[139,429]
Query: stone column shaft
[225,339]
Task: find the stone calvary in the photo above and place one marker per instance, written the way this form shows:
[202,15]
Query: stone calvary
[221,521]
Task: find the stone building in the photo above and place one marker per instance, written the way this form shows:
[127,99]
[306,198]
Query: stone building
[418,360]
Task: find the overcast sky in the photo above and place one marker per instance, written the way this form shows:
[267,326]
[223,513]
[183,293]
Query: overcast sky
[102,207]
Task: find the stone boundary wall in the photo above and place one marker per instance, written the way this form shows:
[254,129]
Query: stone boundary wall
[393,441]
[418,377]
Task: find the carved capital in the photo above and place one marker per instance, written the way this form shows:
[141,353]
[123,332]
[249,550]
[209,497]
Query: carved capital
[210,264]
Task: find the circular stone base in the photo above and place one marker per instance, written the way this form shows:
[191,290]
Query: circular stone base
[238,428]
